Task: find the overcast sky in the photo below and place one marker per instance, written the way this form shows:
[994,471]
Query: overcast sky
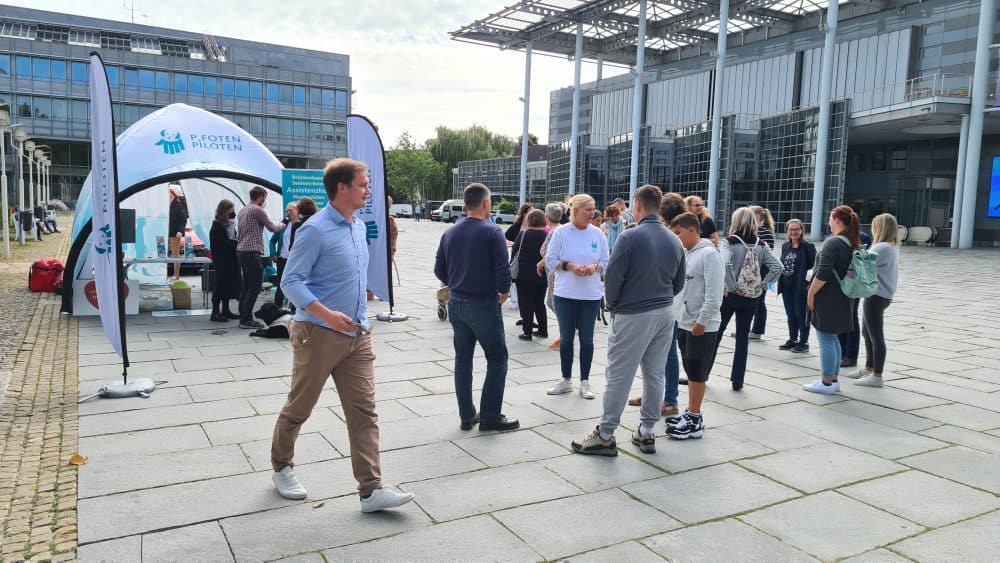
[408,73]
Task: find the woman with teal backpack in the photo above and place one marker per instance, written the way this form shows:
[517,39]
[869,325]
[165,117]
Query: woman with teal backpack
[831,307]
[885,235]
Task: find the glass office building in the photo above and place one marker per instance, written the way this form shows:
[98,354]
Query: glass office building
[294,100]
[901,83]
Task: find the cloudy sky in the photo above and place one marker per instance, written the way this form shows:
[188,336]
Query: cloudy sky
[408,73]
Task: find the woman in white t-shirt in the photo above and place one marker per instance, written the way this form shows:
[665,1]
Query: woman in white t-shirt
[578,254]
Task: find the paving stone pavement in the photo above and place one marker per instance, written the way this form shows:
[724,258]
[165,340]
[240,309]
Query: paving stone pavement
[910,471]
[38,421]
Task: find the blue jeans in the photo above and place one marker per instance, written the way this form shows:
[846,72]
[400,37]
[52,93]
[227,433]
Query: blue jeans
[576,316]
[829,354]
[673,370]
[797,312]
[477,320]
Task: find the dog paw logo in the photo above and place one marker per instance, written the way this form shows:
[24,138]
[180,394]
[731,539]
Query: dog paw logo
[103,246]
[170,141]
[371,231]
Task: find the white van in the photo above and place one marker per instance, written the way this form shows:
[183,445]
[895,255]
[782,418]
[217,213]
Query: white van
[450,211]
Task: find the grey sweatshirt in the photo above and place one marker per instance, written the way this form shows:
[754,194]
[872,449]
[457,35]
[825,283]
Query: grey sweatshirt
[734,253]
[646,269]
[887,266]
[704,282]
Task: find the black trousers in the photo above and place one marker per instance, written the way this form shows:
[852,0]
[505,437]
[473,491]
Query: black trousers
[874,332]
[531,304]
[850,342]
[253,280]
[279,297]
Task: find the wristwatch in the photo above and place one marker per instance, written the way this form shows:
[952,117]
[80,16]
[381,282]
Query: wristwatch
[565,266]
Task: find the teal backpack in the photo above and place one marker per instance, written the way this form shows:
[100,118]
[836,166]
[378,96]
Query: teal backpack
[861,280]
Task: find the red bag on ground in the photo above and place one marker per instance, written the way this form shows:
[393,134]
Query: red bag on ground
[45,275]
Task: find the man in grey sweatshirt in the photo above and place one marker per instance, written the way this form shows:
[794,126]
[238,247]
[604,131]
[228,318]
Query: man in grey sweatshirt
[645,272]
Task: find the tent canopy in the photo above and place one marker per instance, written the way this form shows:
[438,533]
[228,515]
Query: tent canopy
[179,143]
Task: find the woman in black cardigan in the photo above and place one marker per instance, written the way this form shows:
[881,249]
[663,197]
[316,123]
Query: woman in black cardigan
[832,311]
[798,256]
[531,286]
[222,241]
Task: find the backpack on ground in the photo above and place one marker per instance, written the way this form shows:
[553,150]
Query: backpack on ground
[861,280]
[45,275]
[748,279]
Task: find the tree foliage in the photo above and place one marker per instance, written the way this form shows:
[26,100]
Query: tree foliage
[411,169]
[452,146]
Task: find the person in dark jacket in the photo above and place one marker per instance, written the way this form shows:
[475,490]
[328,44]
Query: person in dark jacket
[177,224]
[515,228]
[307,208]
[831,309]
[798,256]
[222,241]
[530,285]
[765,233]
[850,342]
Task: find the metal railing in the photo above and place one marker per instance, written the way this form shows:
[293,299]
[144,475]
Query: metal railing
[931,85]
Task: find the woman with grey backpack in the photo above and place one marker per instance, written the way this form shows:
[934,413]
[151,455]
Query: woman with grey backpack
[744,255]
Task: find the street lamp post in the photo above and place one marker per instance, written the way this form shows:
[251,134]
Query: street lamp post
[4,122]
[20,136]
[29,146]
[41,158]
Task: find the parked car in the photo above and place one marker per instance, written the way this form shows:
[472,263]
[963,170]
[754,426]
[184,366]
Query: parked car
[401,210]
[500,217]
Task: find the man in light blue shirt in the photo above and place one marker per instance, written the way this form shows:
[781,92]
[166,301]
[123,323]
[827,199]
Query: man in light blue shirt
[325,277]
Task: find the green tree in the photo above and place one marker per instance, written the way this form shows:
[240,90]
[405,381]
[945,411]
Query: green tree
[412,170]
[452,146]
[532,139]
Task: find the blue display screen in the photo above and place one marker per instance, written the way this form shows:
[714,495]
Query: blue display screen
[994,205]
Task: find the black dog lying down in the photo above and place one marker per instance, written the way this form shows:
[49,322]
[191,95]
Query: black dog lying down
[278,321]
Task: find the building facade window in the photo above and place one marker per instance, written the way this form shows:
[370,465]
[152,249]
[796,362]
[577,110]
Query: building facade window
[22,67]
[194,84]
[4,65]
[147,79]
[58,70]
[80,72]
[39,68]
[131,78]
[162,81]
[272,92]
[113,75]
[228,88]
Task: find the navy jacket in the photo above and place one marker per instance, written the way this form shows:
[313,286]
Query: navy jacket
[472,260]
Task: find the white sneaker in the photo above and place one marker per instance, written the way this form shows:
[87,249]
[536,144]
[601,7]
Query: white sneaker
[564,386]
[859,374]
[818,387]
[585,391]
[869,381]
[288,486]
[381,499]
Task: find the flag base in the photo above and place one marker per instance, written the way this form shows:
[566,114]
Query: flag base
[392,317]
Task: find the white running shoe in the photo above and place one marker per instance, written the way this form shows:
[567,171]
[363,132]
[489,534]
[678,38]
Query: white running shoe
[818,387]
[859,374]
[564,386]
[288,486]
[381,499]
[585,390]
[869,381]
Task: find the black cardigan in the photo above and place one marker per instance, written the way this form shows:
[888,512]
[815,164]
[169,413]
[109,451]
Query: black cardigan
[798,279]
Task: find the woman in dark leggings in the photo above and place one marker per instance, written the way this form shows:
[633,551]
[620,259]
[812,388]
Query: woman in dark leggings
[886,247]
[765,232]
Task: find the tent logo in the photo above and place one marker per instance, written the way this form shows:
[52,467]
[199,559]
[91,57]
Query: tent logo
[170,141]
[104,247]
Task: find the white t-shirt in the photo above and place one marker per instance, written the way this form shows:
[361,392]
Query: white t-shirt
[579,246]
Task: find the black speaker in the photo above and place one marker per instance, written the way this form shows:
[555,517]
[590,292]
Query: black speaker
[126,225]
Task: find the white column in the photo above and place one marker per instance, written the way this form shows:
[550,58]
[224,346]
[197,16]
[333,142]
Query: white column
[524,126]
[823,135]
[640,63]
[956,209]
[600,67]
[720,86]
[31,184]
[574,140]
[987,9]
[3,195]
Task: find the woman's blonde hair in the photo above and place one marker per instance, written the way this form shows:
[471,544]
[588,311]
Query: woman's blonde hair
[704,210]
[798,222]
[743,223]
[578,202]
[764,218]
[885,229]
